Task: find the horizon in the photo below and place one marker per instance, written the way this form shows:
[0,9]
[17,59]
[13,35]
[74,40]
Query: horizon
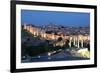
[53,24]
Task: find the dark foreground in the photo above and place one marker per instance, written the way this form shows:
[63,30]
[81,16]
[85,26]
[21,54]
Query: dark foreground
[60,56]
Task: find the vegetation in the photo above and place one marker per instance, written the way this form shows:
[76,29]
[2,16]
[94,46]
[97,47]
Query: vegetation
[36,50]
[25,33]
[33,50]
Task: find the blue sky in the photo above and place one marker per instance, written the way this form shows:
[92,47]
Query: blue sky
[60,18]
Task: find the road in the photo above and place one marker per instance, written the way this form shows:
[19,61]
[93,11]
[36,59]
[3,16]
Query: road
[61,56]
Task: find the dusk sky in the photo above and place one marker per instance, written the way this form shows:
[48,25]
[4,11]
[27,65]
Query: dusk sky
[60,18]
